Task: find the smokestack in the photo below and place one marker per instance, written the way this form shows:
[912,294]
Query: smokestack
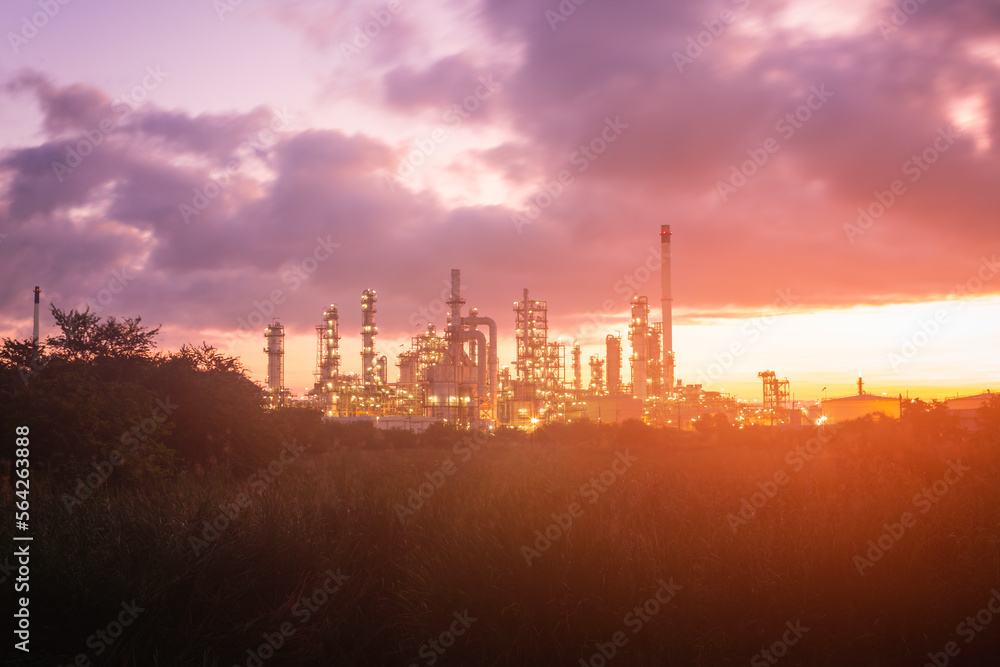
[34,330]
[666,302]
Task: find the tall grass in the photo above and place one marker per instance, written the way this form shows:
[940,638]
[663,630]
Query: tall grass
[664,519]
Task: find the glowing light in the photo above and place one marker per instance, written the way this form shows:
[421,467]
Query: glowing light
[971,115]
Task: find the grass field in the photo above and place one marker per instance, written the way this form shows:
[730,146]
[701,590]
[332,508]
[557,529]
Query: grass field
[641,554]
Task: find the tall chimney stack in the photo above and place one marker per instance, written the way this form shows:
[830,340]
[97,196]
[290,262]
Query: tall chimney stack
[34,330]
[666,302]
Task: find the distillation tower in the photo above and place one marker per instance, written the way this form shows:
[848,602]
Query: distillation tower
[327,371]
[460,389]
[275,336]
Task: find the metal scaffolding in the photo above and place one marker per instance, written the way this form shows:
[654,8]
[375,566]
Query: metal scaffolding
[577,368]
[531,326]
[776,393]
[327,371]
[369,365]
[596,375]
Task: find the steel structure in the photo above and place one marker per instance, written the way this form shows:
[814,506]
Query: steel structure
[328,361]
[369,368]
[775,395]
[654,364]
[596,375]
[638,334]
[614,363]
[454,375]
[426,349]
[531,326]
[460,389]
[275,336]
[577,368]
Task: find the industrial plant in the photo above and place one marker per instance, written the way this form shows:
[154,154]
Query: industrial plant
[455,375]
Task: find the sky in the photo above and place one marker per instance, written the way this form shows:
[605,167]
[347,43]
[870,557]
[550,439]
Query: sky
[828,170]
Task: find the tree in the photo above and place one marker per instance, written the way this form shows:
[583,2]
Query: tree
[221,412]
[988,419]
[85,338]
[26,357]
[930,423]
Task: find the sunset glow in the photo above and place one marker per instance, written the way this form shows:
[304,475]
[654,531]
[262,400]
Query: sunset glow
[413,145]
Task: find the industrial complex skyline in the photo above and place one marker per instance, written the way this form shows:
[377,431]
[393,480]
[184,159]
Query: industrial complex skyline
[832,213]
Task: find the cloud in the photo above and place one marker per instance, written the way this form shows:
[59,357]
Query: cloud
[686,130]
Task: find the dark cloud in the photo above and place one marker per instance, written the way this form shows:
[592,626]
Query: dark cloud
[64,109]
[219,134]
[785,227]
[448,81]
[565,83]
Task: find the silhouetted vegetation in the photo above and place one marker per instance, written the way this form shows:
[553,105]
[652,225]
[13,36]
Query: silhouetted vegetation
[227,516]
[100,387]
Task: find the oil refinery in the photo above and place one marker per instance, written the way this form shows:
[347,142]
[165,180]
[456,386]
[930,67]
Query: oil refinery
[455,375]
